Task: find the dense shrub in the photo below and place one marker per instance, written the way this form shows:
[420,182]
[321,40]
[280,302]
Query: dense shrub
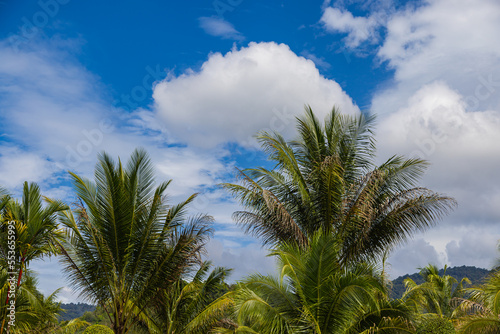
[98,329]
[436,326]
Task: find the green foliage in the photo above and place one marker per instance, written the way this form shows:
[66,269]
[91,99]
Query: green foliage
[481,310]
[436,326]
[438,295]
[36,236]
[98,329]
[196,306]
[38,314]
[316,294]
[28,310]
[96,317]
[90,317]
[48,311]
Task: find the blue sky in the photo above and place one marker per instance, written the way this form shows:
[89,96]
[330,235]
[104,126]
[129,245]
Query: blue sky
[192,82]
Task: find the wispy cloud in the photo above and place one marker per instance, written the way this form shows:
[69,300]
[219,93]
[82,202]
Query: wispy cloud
[218,27]
[319,61]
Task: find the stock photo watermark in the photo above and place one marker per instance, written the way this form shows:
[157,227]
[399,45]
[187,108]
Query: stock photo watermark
[11,265]
[85,147]
[140,92]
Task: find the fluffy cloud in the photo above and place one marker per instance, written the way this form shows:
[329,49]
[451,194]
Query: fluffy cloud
[435,125]
[217,26]
[319,61]
[17,166]
[454,121]
[416,254]
[190,170]
[452,43]
[53,105]
[464,155]
[473,248]
[233,96]
[428,41]
[358,29]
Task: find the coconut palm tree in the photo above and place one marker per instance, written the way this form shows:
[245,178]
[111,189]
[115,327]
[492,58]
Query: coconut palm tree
[314,293]
[327,179]
[36,234]
[124,244]
[436,300]
[438,295]
[193,307]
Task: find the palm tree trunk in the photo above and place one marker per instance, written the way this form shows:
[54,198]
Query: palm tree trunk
[20,272]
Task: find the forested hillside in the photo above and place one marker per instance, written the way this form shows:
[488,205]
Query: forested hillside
[75,310]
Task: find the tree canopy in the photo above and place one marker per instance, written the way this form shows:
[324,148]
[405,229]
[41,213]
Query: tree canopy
[327,179]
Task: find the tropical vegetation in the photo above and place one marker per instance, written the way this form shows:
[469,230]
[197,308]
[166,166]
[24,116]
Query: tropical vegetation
[327,213]
[315,293]
[481,310]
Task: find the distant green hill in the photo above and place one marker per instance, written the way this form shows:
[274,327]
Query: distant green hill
[75,310]
[476,276]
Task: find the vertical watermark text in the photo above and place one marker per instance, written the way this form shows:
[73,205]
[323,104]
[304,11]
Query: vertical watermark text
[11,265]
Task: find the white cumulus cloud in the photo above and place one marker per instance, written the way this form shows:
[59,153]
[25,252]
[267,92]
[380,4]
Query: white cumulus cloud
[234,96]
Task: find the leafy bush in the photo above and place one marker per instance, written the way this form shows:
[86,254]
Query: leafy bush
[98,329]
[436,326]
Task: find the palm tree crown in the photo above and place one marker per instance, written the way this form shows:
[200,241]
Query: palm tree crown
[194,307]
[124,243]
[327,179]
[481,310]
[438,295]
